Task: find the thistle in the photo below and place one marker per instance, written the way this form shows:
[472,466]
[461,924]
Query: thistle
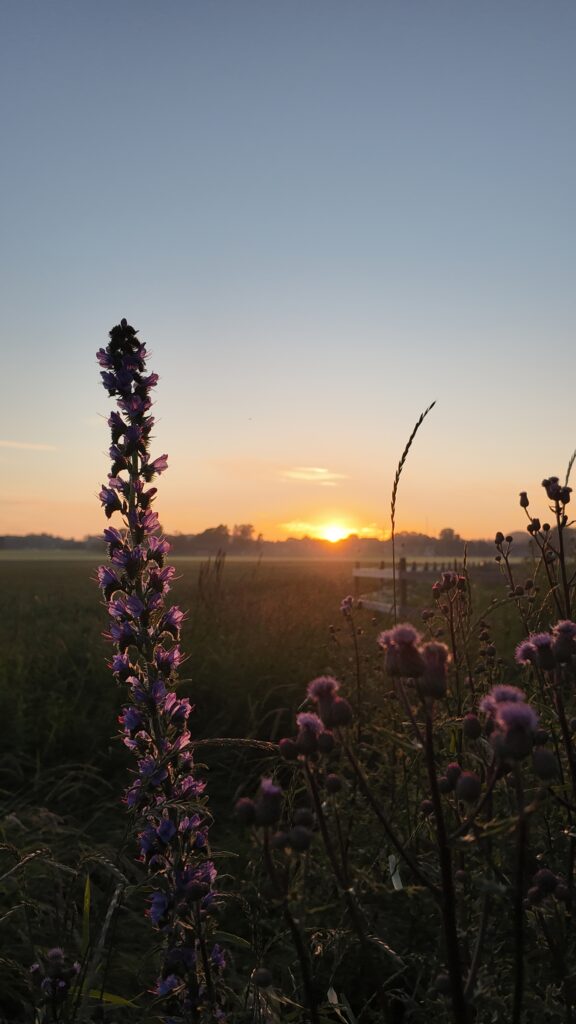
[165,796]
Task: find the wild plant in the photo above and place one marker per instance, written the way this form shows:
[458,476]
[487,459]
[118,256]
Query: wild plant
[166,795]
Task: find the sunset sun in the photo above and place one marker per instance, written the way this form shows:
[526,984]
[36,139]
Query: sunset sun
[333,532]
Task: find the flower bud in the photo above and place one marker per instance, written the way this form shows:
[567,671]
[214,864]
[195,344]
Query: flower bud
[546,880]
[338,714]
[304,816]
[468,787]
[471,727]
[453,773]
[544,764]
[299,838]
[268,803]
[326,743]
[333,783]
[443,984]
[279,841]
[435,657]
[534,896]
[262,977]
[245,811]
[288,749]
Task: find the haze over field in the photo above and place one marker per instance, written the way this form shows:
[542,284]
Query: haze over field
[322,217]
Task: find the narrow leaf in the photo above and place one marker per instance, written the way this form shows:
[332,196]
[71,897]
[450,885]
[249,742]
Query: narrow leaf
[86,915]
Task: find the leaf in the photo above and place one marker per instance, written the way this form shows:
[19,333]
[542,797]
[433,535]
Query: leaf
[100,996]
[348,1009]
[109,997]
[394,872]
[233,940]
[335,1003]
[340,1003]
[86,915]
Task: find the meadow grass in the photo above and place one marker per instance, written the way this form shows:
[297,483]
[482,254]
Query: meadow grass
[257,632]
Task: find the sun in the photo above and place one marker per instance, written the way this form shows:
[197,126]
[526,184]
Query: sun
[333,532]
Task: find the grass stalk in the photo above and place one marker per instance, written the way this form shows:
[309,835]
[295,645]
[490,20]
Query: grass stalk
[397,476]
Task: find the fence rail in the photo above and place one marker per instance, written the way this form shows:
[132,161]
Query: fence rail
[382,599]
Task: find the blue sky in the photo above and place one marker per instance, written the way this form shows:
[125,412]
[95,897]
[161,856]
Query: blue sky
[322,216]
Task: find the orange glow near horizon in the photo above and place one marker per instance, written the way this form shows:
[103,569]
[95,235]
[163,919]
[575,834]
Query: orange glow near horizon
[333,532]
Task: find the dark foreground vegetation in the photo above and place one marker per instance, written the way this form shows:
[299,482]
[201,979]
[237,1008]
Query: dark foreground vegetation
[257,633]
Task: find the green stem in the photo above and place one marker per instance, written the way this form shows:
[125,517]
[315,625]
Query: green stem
[448,901]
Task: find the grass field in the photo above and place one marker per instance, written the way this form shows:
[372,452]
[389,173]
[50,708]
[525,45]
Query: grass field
[255,634]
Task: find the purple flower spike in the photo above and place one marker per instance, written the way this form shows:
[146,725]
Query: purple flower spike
[165,797]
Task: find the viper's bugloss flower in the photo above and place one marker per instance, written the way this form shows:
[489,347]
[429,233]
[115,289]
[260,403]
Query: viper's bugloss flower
[145,634]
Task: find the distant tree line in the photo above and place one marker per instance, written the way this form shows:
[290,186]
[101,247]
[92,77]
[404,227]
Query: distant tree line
[243,540]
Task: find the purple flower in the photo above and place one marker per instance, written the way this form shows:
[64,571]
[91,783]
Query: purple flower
[108,581]
[310,722]
[436,656]
[526,653]
[403,657]
[516,716]
[110,500]
[167,985]
[155,724]
[166,830]
[171,622]
[268,803]
[157,548]
[167,661]
[217,957]
[513,722]
[159,905]
[322,687]
[564,641]
[132,719]
[155,468]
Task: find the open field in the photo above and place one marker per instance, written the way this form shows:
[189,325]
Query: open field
[255,634]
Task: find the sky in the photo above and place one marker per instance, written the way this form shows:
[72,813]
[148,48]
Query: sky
[321,216]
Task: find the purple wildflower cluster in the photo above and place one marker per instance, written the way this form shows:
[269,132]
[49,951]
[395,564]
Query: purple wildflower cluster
[512,722]
[407,657]
[546,651]
[54,976]
[449,581]
[165,794]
